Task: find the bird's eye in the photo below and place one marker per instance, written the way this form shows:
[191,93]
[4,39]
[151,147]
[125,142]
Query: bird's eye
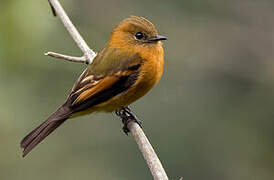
[139,35]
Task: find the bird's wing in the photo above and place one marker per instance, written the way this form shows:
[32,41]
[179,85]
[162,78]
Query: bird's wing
[91,89]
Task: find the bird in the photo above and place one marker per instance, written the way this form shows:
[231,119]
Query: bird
[129,65]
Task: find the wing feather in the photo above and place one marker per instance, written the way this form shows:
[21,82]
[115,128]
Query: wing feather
[100,85]
[92,89]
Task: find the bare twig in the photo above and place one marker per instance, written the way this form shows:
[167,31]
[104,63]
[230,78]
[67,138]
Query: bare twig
[145,147]
[148,152]
[82,59]
[52,9]
[72,30]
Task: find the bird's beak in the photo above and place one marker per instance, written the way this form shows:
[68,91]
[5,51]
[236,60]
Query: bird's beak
[157,38]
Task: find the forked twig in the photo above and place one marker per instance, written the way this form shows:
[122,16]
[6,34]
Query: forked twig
[145,147]
[59,11]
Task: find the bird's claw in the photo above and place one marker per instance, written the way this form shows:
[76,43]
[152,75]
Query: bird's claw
[127,116]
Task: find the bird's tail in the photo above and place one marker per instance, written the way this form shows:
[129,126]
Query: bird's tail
[42,131]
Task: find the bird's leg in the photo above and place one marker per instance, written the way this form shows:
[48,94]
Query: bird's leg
[127,116]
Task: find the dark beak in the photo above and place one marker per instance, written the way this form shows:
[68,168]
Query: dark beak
[157,38]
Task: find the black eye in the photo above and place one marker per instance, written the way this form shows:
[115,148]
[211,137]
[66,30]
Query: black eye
[139,35]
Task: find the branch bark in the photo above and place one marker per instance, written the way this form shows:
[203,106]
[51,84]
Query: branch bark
[144,145]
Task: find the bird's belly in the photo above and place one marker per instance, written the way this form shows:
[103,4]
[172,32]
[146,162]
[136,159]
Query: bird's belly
[125,98]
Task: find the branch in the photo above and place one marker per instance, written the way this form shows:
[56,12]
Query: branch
[82,59]
[145,147]
[148,152]
[57,8]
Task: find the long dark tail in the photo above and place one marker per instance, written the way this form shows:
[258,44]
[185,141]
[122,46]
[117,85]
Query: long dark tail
[42,131]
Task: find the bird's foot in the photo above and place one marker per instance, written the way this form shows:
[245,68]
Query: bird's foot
[127,116]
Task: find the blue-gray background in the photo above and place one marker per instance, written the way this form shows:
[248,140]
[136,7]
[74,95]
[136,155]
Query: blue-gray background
[210,117]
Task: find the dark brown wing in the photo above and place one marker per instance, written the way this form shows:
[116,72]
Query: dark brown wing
[92,90]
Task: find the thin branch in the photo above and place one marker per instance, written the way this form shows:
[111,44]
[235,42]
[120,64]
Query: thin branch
[82,59]
[72,30]
[148,152]
[145,147]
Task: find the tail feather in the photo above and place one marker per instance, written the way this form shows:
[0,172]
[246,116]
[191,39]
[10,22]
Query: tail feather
[43,130]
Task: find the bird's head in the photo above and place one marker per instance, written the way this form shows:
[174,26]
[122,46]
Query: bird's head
[135,32]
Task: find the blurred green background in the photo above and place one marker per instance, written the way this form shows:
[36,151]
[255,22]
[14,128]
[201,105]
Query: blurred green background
[210,117]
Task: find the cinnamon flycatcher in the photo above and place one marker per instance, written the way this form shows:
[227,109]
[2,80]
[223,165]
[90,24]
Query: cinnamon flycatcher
[125,70]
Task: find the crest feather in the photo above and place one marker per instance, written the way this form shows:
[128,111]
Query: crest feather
[137,22]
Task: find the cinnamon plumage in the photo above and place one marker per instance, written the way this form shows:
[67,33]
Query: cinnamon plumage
[125,70]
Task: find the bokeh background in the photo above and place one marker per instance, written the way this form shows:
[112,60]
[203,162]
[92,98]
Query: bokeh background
[210,117]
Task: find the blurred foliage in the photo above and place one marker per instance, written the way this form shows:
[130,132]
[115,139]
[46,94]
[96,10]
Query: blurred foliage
[210,117]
